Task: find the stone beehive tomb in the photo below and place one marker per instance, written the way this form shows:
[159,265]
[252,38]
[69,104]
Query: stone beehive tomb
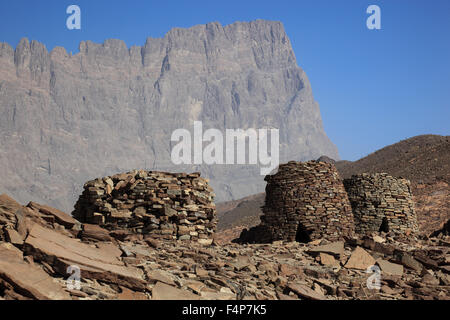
[160,204]
[381,202]
[306,201]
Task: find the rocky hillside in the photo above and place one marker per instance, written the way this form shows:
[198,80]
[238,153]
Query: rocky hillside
[420,159]
[38,244]
[65,119]
[425,160]
[239,212]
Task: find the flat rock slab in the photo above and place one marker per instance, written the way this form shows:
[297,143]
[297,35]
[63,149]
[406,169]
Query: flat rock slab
[95,232]
[305,292]
[196,286]
[408,261]
[328,260]
[360,259]
[240,263]
[162,291]
[28,279]
[288,270]
[390,268]
[129,295]
[335,248]
[160,276]
[136,250]
[207,295]
[61,251]
[61,217]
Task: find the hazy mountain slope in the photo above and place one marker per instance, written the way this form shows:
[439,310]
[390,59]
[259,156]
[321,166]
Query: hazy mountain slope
[66,119]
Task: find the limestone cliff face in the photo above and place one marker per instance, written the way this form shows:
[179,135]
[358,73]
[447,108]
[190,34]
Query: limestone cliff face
[65,119]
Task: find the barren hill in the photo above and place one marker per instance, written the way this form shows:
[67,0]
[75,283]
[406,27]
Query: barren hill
[420,159]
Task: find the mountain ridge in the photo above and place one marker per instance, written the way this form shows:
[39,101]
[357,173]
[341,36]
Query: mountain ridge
[66,119]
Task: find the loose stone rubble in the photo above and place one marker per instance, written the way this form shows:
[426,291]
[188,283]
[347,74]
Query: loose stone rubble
[381,202]
[155,204]
[132,268]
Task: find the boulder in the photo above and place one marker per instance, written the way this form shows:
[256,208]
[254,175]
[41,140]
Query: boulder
[360,259]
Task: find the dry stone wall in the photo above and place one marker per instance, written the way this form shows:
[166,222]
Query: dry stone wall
[159,204]
[306,201]
[381,202]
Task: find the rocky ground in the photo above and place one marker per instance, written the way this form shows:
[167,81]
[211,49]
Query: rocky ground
[39,243]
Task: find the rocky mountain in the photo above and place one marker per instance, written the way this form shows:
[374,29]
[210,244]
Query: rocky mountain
[65,119]
[425,160]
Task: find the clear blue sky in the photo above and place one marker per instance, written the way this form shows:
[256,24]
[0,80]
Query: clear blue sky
[374,87]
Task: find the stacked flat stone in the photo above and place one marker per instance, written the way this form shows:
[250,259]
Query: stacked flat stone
[381,202]
[159,204]
[306,201]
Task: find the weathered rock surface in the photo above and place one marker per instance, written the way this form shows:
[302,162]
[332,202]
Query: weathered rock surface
[162,291]
[29,280]
[133,268]
[360,259]
[61,217]
[52,247]
[8,207]
[305,292]
[335,248]
[389,267]
[66,119]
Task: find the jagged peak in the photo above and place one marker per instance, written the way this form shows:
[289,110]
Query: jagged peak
[274,29]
